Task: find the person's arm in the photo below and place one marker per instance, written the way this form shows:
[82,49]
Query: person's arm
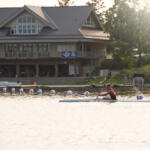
[104,94]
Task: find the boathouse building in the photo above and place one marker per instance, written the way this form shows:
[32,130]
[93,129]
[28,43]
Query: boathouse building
[41,43]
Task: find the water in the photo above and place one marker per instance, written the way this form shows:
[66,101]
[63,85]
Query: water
[42,123]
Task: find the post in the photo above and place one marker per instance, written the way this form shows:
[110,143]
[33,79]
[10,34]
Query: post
[17,70]
[75,69]
[82,50]
[56,70]
[37,70]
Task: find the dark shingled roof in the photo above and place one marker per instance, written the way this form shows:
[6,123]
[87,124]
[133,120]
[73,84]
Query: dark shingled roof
[7,12]
[67,20]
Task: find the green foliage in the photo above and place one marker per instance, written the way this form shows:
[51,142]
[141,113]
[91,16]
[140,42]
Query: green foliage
[129,62]
[141,70]
[117,79]
[98,6]
[120,21]
[91,81]
[129,27]
[146,59]
[119,63]
[111,64]
[124,49]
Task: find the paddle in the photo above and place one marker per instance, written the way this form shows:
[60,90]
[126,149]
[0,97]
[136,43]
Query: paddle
[99,92]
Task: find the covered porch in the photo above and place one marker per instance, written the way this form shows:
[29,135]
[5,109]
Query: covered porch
[46,68]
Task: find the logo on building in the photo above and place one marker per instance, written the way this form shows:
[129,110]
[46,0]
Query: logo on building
[68,54]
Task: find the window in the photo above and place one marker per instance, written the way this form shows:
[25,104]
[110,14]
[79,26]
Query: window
[29,19]
[69,47]
[26,50]
[90,21]
[20,20]
[33,29]
[14,30]
[10,50]
[29,28]
[24,19]
[26,25]
[43,50]
[24,28]
[20,29]
[33,20]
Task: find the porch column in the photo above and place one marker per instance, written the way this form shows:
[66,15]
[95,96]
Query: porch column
[17,70]
[56,70]
[82,49]
[75,70]
[37,70]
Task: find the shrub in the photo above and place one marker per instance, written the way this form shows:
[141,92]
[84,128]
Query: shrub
[119,63]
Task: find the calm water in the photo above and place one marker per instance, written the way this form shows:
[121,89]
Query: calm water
[42,123]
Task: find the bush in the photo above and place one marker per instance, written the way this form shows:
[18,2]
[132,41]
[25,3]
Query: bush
[146,59]
[119,63]
[111,64]
[141,70]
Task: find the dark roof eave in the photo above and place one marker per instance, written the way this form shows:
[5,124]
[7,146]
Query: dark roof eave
[51,40]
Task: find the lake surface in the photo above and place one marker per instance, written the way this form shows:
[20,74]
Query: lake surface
[42,123]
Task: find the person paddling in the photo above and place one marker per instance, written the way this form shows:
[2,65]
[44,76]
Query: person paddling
[110,94]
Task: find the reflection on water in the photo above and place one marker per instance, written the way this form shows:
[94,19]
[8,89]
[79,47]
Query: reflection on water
[42,123]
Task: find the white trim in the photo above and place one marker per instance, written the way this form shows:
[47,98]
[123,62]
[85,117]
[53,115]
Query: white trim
[19,26]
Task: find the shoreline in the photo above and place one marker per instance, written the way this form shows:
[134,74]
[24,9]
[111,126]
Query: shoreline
[76,89]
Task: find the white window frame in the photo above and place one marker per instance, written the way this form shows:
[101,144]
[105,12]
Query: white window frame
[25,26]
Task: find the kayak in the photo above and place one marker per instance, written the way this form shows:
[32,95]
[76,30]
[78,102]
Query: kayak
[100,100]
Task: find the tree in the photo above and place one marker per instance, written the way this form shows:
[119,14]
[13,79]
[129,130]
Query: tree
[65,2]
[139,4]
[142,30]
[128,26]
[98,6]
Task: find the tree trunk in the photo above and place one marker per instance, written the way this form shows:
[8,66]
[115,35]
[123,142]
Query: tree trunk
[140,59]
[139,63]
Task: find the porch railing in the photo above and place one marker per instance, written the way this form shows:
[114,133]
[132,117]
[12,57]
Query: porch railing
[45,54]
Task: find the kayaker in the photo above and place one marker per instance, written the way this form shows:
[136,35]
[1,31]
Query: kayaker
[110,94]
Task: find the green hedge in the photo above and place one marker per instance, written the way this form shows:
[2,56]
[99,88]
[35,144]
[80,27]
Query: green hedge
[119,63]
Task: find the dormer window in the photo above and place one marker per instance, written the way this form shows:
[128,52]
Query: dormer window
[26,25]
[91,22]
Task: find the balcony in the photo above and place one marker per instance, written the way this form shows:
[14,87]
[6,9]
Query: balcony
[34,54]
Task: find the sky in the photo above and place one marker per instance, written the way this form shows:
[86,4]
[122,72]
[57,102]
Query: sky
[19,3]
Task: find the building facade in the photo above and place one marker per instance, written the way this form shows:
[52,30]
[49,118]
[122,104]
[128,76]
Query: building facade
[49,42]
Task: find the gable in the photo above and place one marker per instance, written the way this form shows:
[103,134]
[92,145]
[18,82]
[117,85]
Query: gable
[37,12]
[25,23]
[24,17]
[92,21]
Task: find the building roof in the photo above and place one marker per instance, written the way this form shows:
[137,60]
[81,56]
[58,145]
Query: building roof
[62,22]
[95,34]
[35,11]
